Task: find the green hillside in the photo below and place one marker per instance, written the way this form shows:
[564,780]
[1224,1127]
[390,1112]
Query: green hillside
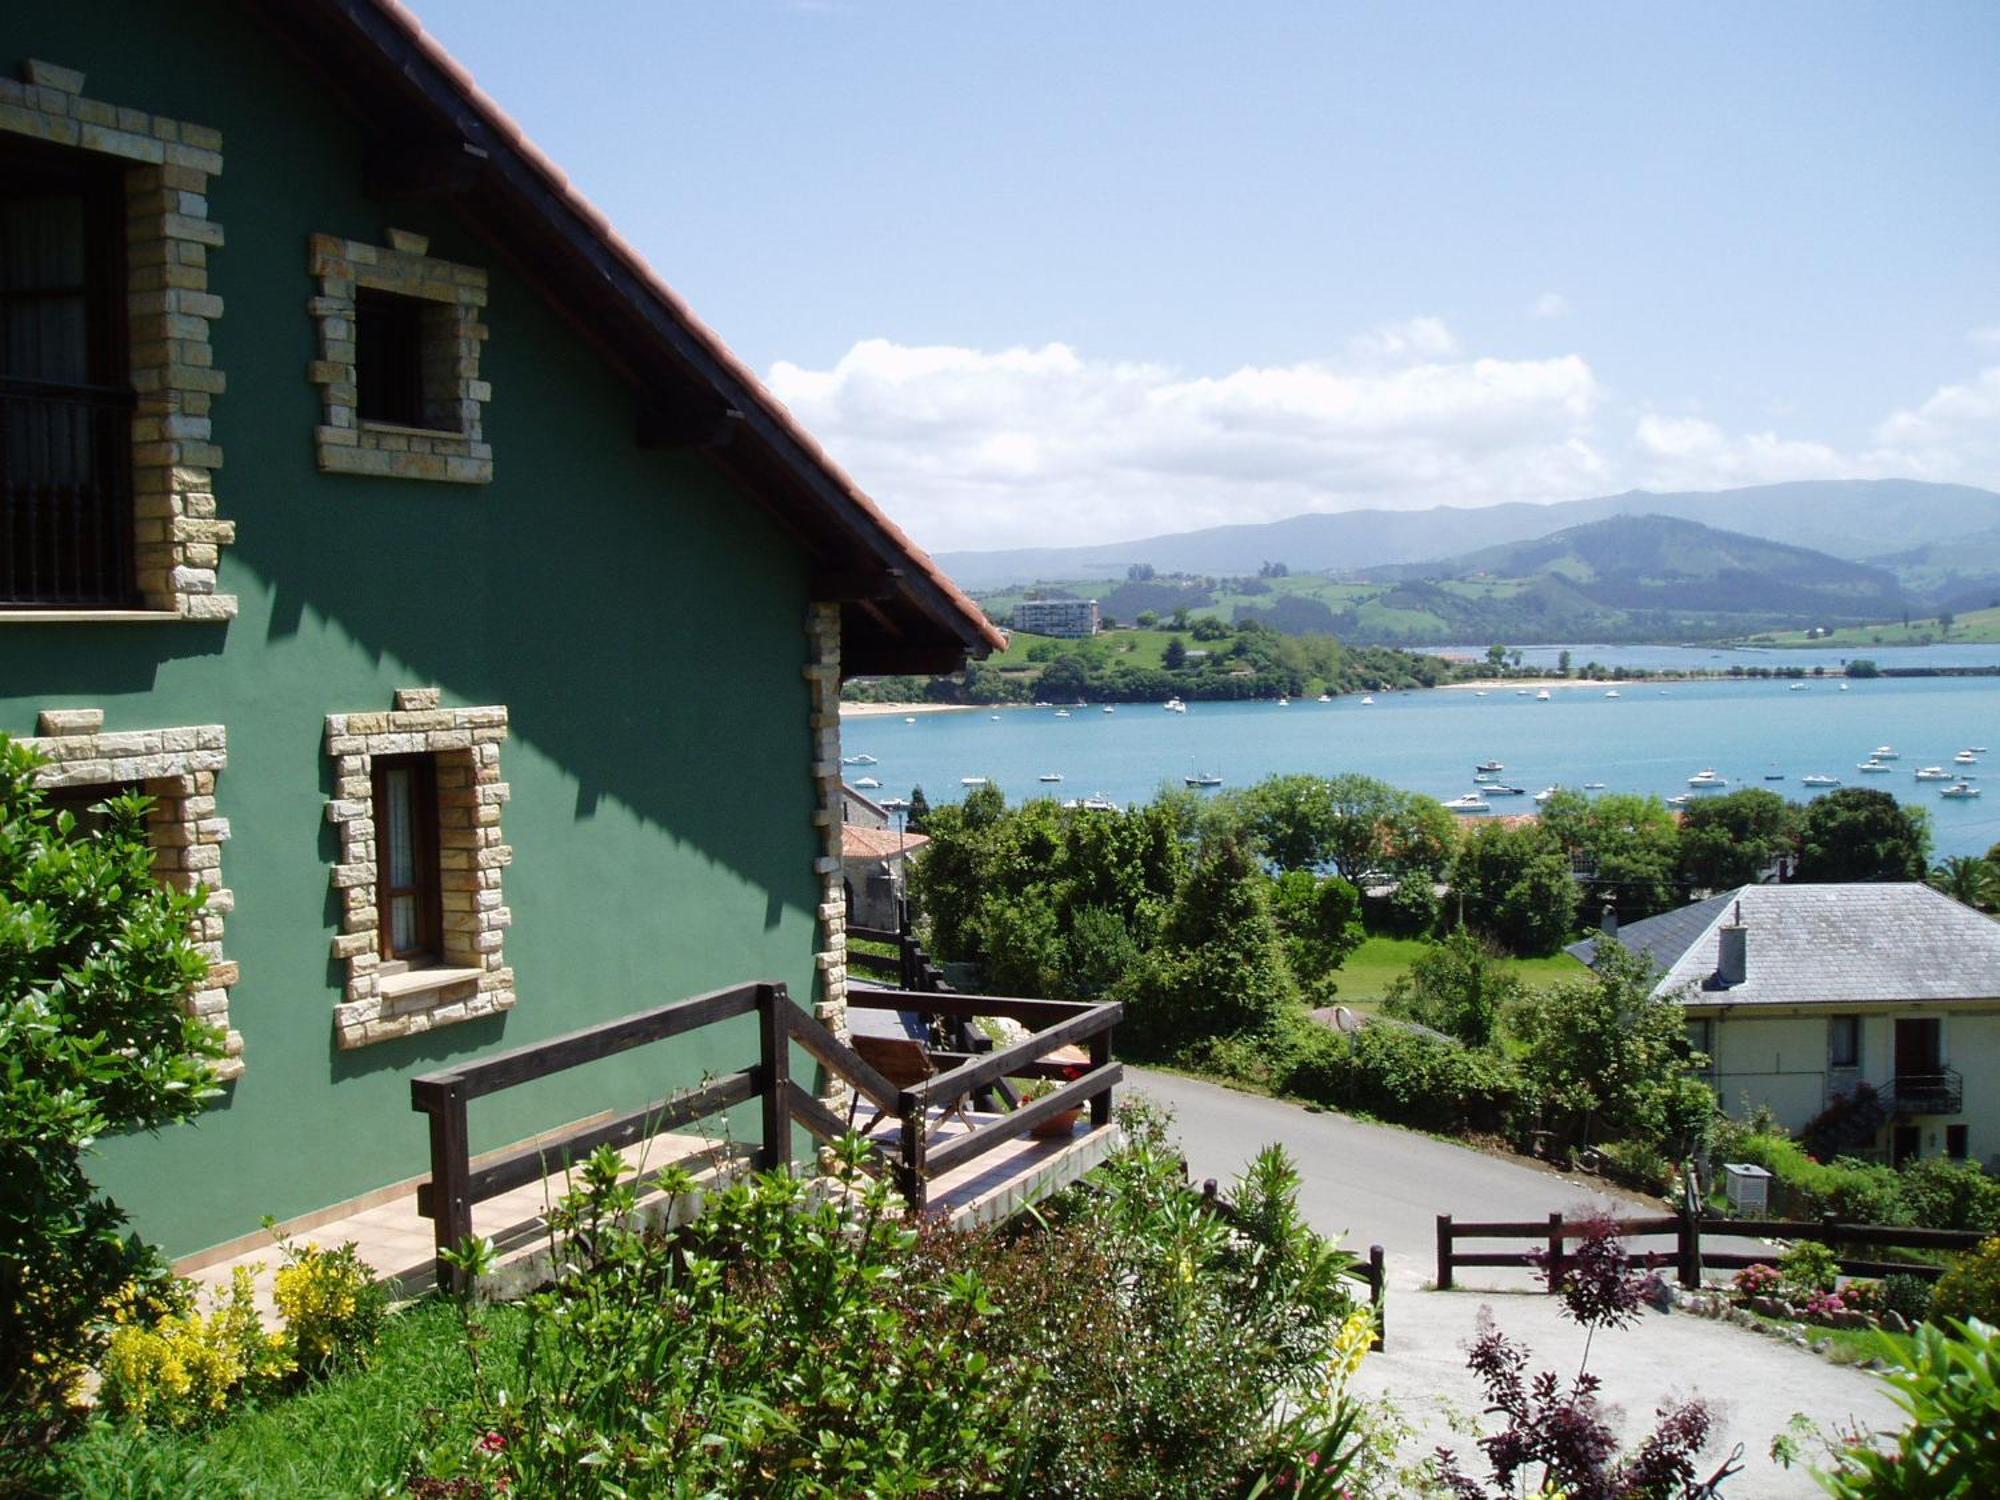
[1978,628]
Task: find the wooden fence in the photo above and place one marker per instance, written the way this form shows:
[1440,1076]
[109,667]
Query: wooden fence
[1687,1231]
[455,1185]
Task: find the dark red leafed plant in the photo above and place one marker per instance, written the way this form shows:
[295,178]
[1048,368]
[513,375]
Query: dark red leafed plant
[1563,1432]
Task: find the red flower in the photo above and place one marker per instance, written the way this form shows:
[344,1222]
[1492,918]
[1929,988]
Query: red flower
[493,1442]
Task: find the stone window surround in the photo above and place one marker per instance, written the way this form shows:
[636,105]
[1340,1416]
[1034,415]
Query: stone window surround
[822,674]
[472,980]
[176,533]
[177,768]
[344,441]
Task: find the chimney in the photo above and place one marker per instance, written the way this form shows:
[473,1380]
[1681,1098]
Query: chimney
[1608,923]
[1732,959]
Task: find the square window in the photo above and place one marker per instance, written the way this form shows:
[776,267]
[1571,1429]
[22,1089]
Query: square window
[1843,1041]
[86,803]
[406,839]
[406,351]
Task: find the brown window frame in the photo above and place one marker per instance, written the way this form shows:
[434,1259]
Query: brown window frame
[71,544]
[428,888]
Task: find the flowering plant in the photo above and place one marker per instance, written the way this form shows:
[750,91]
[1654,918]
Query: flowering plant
[1758,1281]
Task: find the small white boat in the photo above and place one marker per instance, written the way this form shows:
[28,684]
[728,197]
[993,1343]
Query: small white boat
[1501,789]
[1520,692]
[1885,752]
[1545,795]
[1174,706]
[1611,693]
[1111,708]
[1051,776]
[1062,713]
[1843,687]
[1797,687]
[972,781]
[1479,692]
[1819,779]
[865,783]
[1098,803]
[1965,758]
[1203,778]
[1681,801]
[909,718]
[1960,789]
[1470,802]
[1326,697]
[1875,767]
[1593,786]
[1934,773]
[1977,749]
[1707,778]
[894,804]
[857,760]
[1489,765]
[1284,702]
[1367,702]
[1542,696]
[993,717]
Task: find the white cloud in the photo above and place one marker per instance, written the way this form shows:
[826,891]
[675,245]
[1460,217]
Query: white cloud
[971,448]
[1550,305]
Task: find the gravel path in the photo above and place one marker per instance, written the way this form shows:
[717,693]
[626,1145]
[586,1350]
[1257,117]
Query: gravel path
[1377,1185]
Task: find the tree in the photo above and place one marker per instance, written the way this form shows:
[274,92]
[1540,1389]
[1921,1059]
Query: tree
[1291,819]
[1139,573]
[1207,628]
[1175,656]
[1514,885]
[1458,987]
[96,960]
[917,818]
[1608,1059]
[1063,681]
[1629,844]
[1320,922]
[1734,839]
[1218,969]
[1860,834]
[1562,662]
[1969,879]
[1147,619]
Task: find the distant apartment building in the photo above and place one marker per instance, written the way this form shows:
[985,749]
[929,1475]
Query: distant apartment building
[1069,617]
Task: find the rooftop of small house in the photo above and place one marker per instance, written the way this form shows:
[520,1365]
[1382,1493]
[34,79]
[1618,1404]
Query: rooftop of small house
[858,841]
[1818,945]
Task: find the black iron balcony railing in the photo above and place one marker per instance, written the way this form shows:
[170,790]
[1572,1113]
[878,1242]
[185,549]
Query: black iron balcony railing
[65,496]
[1940,1093]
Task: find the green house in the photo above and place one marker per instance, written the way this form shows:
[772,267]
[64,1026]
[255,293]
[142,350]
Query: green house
[474,616]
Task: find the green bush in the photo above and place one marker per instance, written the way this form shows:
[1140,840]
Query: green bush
[1637,1164]
[1942,1194]
[1971,1288]
[1412,908]
[1857,1192]
[1133,1341]
[1404,1075]
[95,962]
[1907,1295]
[1949,1383]
[1806,1268]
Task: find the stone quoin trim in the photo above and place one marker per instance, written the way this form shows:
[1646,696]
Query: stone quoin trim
[177,537]
[454,451]
[822,675]
[176,768]
[471,978]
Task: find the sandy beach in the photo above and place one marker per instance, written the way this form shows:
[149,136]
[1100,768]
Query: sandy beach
[883,710]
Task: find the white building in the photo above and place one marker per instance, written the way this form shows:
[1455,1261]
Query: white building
[1066,617]
[1800,994]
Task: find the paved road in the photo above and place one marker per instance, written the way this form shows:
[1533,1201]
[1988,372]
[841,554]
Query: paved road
[1376,1185]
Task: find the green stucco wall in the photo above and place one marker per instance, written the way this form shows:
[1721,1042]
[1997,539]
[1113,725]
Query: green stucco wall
[642,621]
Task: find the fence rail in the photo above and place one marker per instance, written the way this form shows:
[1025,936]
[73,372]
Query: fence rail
[455,1185]
[1687,1230]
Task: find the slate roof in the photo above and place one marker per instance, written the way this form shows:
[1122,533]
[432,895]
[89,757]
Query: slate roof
[1825,945]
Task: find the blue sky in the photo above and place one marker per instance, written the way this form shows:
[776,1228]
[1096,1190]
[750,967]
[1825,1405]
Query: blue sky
[1077,271]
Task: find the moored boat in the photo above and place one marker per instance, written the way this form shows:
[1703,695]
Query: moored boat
[1960,789]
[1819,778]
[1470,802]
[1707,777]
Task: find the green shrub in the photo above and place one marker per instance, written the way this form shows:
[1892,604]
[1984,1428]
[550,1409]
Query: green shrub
[1942,1194]
[1406,1075]
[186,1367]
[1806,1268]
[1857,1192]
[1907,1295]
[1971,1288]
[1949,1383]
[95,962]
[1412,908]
[332,1306]
[1637,1164]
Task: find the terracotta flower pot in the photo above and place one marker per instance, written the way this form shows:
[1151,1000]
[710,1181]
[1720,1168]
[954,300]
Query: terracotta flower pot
[1057,1127]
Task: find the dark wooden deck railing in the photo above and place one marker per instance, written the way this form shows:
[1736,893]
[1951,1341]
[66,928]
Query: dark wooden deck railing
[455,1185]
[1687,1255]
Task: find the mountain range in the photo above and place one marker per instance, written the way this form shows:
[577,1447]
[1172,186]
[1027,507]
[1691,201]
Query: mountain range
[1887,522]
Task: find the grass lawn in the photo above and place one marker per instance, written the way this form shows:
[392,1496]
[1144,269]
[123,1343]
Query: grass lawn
[1365,978]
[1979,627]
[1138,648]
[352,1436]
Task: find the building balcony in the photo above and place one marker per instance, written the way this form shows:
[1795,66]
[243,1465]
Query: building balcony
[1940,1093]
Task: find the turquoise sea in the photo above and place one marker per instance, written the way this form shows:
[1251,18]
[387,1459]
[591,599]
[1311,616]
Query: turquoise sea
[1651,738]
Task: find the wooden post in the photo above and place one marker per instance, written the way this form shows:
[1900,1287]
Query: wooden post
[910,1170]
[1444,1253]
[1688,1248]
[451,1206]
[1100,1057]
[1555,1251]
[1378,1297]
[774,1005]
